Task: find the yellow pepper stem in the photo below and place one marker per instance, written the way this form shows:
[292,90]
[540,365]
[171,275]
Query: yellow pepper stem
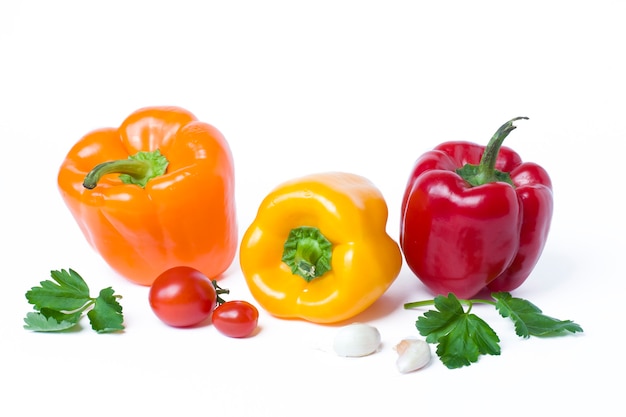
[307,252]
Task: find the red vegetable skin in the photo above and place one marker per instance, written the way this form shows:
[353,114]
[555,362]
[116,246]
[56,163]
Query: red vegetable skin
[236,318]
[182,296]
[466,229]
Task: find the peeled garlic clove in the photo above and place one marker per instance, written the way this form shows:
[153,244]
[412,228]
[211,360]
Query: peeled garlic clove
[413,354]
[357,339]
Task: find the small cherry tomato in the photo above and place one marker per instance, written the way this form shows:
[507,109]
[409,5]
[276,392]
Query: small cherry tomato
[182,296]
[236,318]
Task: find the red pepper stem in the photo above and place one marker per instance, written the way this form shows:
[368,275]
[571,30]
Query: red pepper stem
[138,169]
[487,165]
[485,172]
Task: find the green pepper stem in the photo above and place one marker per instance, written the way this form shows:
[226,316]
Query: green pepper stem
[486,172]
[487,165]
[137,169]
[307,252]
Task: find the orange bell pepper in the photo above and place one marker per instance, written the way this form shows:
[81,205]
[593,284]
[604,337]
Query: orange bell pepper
[318,248]
[155,193]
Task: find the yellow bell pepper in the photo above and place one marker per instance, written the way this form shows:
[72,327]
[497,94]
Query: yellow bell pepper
[318,249]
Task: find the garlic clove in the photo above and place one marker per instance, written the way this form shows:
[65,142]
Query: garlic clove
[413,354]
[356,340]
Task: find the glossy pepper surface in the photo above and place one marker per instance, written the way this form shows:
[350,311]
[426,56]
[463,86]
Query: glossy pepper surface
[475,217]
[155,193]
[318,249]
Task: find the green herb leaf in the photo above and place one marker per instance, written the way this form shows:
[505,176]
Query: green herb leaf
[461,337]
[61,316]
[38,322]
[528,318]
[106,316]
[67,292]
[60,303]
[435,324]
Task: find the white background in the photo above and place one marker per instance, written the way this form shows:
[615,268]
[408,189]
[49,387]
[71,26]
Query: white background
[303,87]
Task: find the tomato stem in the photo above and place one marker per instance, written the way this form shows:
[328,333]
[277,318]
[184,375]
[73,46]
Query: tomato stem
[218,291]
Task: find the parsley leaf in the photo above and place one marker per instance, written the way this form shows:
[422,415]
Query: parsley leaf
[106,315]
[68,291]
[40,323]
[462,337]
[59,304]
[528,318]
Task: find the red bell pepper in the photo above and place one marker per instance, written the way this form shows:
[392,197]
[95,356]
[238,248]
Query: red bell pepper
[475,217]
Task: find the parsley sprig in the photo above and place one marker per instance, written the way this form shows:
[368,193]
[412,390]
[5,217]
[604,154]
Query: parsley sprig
[60,303]
[462,336]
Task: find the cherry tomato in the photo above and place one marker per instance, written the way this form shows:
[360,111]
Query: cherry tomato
[182,296]
[236,318]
